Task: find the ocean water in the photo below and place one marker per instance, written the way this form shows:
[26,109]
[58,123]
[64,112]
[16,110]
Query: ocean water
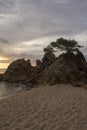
[7,89]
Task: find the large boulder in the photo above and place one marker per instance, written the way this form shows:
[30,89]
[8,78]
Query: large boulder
[69,67]
[18,71]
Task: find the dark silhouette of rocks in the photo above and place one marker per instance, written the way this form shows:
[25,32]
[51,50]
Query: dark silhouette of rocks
[1,77]
[67,68]
[39,65]
[18,71]
[48,59]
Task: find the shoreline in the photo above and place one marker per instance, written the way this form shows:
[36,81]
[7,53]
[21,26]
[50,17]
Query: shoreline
[8,89]
[45,108]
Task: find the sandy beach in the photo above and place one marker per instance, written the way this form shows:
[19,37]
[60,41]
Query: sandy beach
[56,107]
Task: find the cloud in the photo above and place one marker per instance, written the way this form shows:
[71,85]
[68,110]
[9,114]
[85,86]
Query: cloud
[33,19]
[5,61]
[2,40]
[82,37]
[26,26]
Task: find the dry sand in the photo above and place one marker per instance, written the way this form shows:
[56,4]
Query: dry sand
[45,108]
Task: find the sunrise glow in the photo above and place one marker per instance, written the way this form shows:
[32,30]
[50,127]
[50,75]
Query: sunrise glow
[3,64]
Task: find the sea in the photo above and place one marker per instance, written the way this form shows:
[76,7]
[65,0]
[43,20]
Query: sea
[8,89]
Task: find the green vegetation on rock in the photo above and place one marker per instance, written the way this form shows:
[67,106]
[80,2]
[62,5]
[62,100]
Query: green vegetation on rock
[63,45]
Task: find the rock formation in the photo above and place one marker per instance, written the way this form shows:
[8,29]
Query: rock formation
[48,59]
[1,77]
[39,65]
[69,67]
[19,70]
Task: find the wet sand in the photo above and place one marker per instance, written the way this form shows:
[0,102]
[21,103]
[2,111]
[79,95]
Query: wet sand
[59,107]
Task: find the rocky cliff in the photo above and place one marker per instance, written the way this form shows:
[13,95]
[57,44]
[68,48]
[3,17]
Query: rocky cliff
[69,67]
[18,71]
[1,77]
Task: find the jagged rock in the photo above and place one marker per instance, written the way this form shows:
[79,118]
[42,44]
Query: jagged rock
[48,59]
[39,65]
[19,70]
[1,77]
[34,80]
[67,68]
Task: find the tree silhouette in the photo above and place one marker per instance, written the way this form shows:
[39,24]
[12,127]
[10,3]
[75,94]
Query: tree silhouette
[63,45]
[48,49]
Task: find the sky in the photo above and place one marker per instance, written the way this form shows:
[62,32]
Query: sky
[27,26]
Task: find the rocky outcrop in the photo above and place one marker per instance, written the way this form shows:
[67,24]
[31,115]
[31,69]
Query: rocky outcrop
[39,65]
[48,59]
[18,71]
[1,77]
[69,67]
